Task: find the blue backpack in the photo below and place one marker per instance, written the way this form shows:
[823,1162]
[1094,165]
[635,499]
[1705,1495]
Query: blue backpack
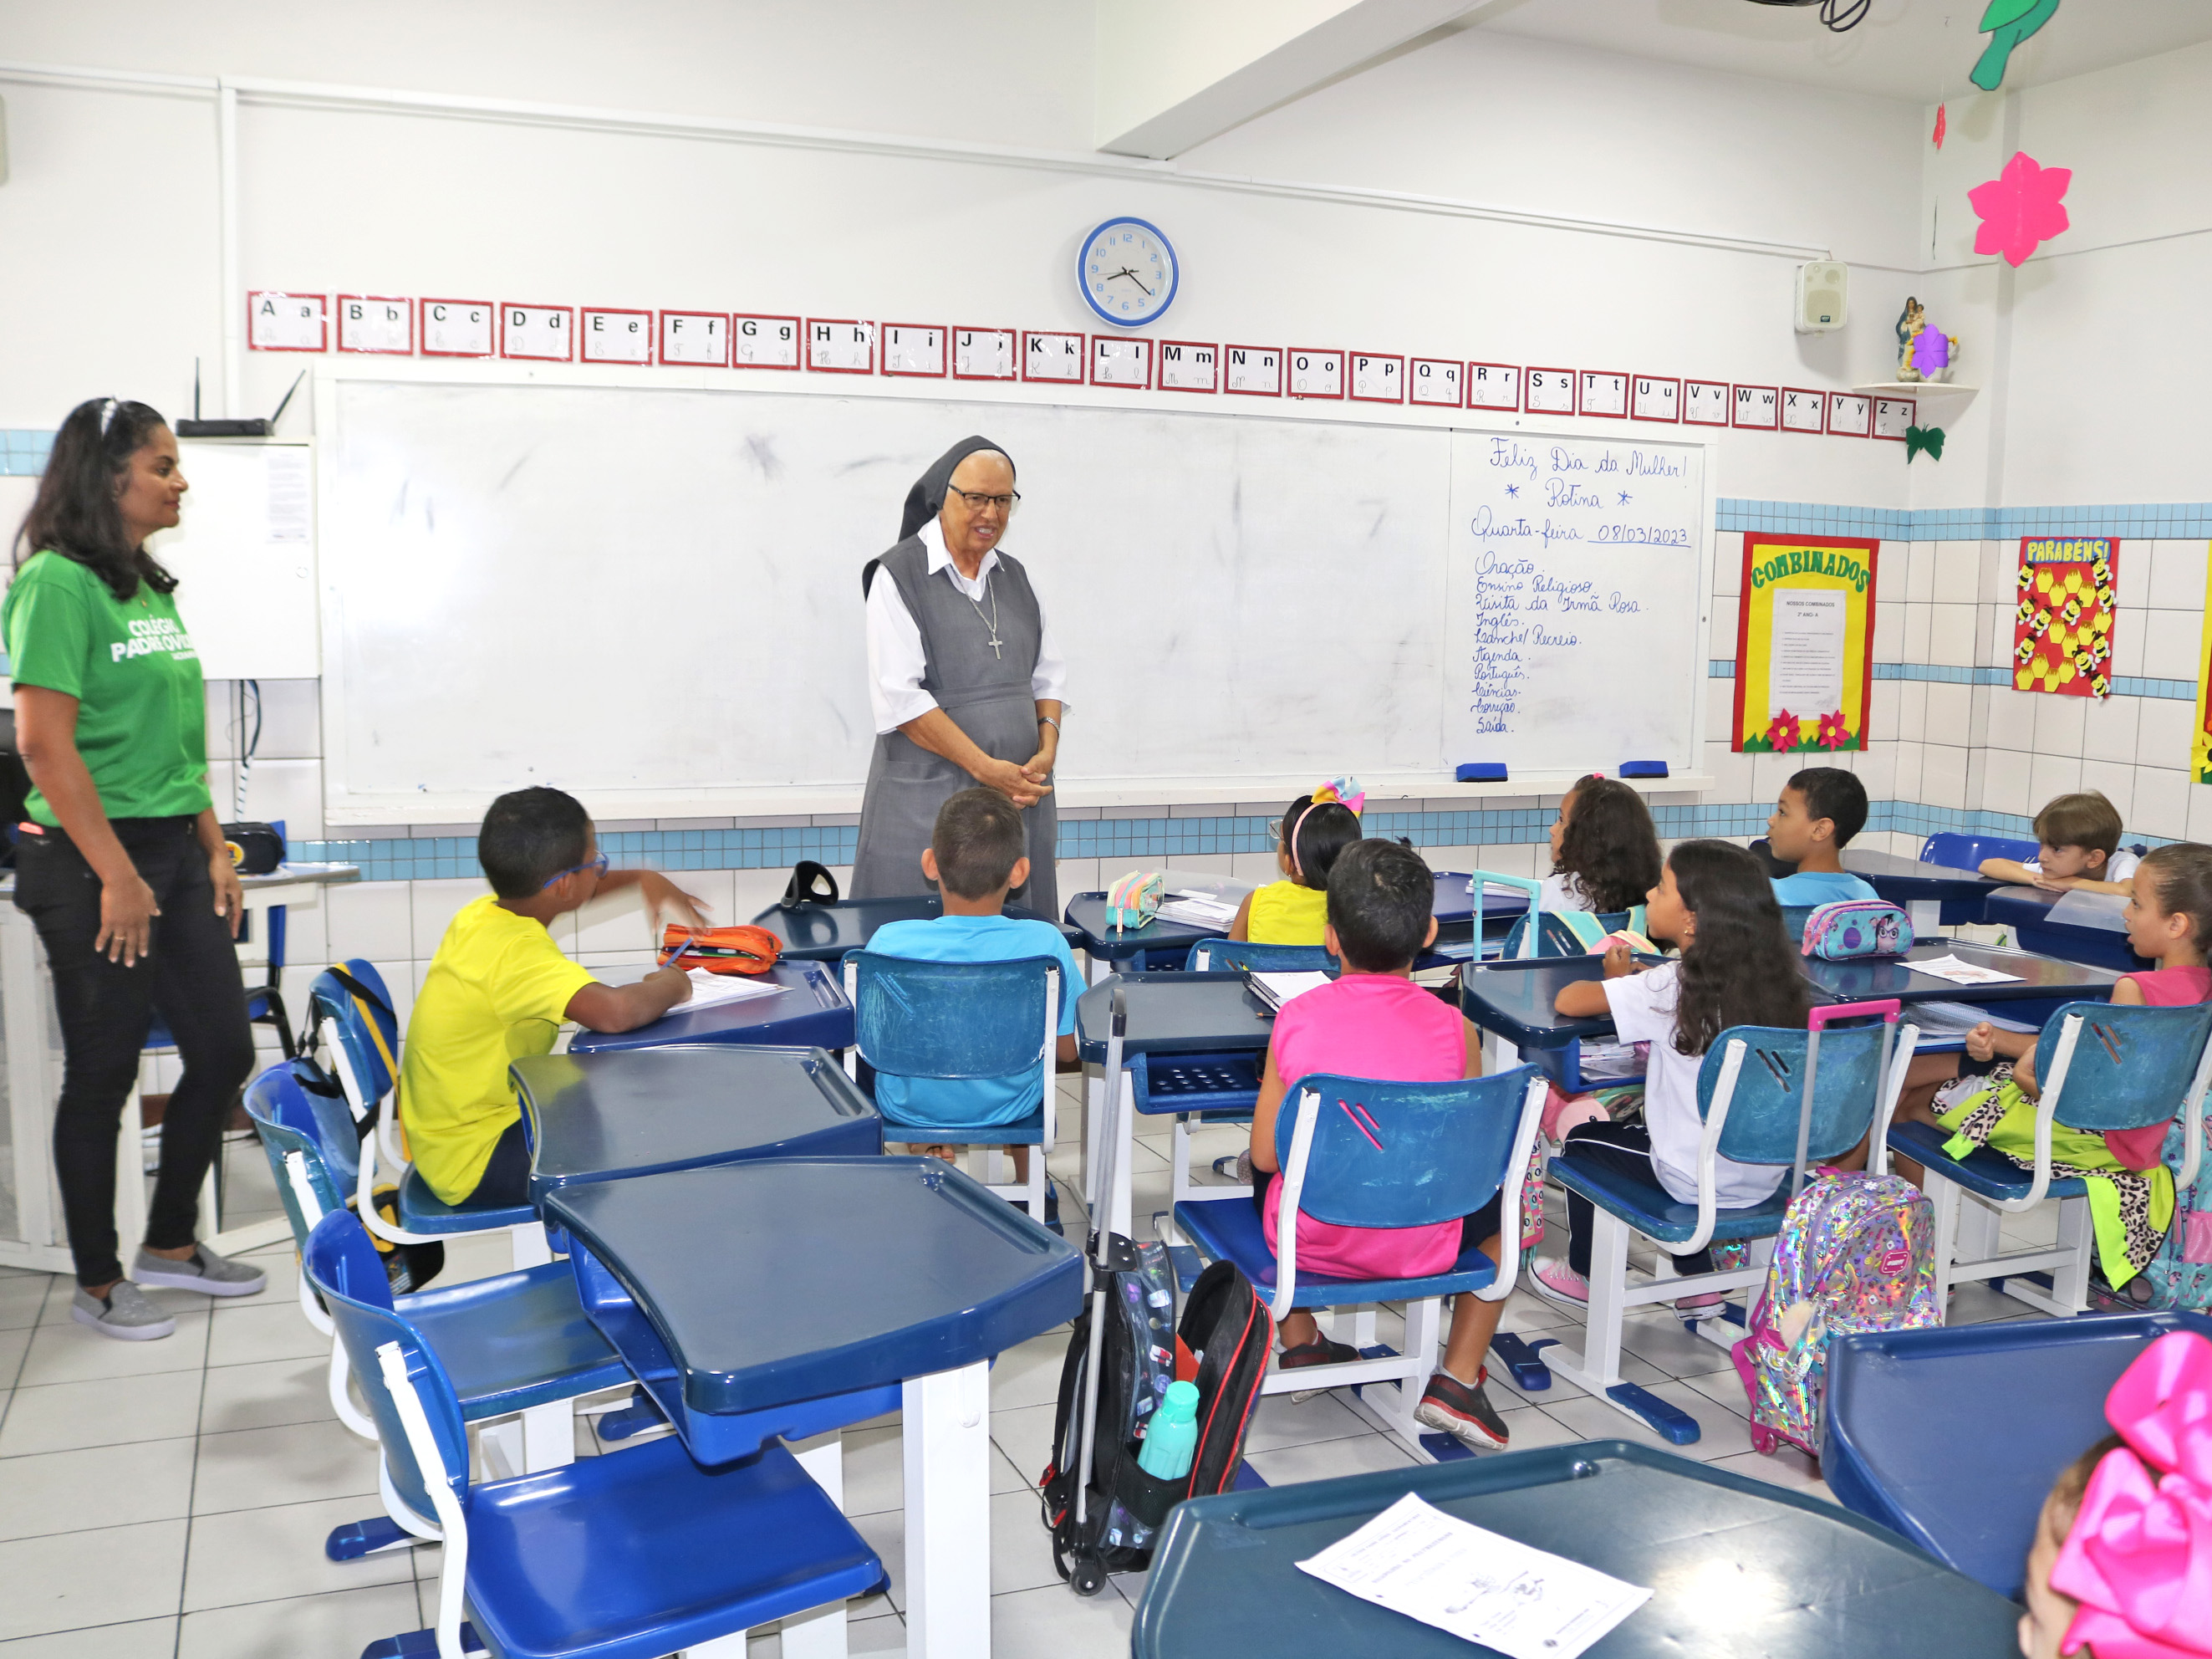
[2180,1275]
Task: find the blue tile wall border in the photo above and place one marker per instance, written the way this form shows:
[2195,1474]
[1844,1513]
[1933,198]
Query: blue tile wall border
[2156,521]
[1137,840]
[2124,685]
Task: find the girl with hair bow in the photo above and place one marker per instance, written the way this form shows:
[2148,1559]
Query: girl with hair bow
[2121,1567]
[1310,835]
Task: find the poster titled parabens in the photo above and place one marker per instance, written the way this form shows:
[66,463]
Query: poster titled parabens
[2062,636]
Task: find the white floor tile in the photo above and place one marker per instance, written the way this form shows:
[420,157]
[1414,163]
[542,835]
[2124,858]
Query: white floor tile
[95,1486]
[1667,1343]
[143,1639]
[58,1416]
[68,1581]
[1021,1548]
[296,1463]
[1532,1427]
[1328,1459]
[266,1396]
[266,1554]
[14,1345]
[1785,1466]
[1030,1375]
[1055,1623]
[1025,1437]
[21,1299]
[1727,1387]
[343,1622]
[1278,1421]
[247,1334]
[69,1353]
[885,1633]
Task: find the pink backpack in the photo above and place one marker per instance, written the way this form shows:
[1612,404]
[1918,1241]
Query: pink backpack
[1855,1253]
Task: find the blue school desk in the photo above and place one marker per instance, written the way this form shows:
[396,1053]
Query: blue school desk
[1931,894]
[594,1117]
[796,1296]
[811,1013]
[2027,912]
[1954,1436]
[1204,1023]
[1739,1566]
[825,933]
[2044,983]
[1164,942]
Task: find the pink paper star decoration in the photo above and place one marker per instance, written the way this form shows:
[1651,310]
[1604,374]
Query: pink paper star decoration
[2020,208]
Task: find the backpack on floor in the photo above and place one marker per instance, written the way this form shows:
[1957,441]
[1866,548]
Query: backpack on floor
[2179,1277]
[1222,1346]
[1855,1253]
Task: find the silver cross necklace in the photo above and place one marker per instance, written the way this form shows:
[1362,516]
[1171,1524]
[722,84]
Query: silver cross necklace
[990,621]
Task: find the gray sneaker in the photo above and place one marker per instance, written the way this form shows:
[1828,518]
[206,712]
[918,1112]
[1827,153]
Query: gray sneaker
[124,1314]
[203,1271]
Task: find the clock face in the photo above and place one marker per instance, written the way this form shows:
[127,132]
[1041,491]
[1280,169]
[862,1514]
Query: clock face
[1128,272]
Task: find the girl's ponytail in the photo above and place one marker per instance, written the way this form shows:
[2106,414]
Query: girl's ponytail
[1740,969]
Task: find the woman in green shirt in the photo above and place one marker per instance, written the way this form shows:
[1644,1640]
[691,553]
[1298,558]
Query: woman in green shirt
[122,865]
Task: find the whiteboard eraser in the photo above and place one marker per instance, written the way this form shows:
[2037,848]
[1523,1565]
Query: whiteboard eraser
[1644,768]
[1481,772]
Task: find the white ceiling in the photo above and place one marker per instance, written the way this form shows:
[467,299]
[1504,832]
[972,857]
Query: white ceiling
[1916,49]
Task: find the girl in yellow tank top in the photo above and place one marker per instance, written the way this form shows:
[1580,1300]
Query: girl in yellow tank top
[1315,829]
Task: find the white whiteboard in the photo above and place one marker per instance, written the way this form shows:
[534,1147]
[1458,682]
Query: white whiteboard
[1579,576]
[511,572]
[244,557]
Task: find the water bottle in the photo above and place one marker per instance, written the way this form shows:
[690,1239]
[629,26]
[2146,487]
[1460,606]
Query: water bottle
[1171,1437]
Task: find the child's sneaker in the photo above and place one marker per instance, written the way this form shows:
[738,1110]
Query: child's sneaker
[124,1314]
[1319,1351]
[203,1271]
[1700,1307]
[1462,1413]
[1553,1277]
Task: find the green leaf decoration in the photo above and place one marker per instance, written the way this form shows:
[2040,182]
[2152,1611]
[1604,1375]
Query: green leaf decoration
[2002,12]
[1919,438]
[2007,22]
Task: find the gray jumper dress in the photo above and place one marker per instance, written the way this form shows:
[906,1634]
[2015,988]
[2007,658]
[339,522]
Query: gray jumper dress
[987,695]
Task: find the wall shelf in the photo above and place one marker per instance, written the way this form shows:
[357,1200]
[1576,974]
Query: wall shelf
[1917,389]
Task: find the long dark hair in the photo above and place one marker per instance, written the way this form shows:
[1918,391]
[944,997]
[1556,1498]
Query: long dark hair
[74,514]
[1740,969]
[1609,847]
[1314,835]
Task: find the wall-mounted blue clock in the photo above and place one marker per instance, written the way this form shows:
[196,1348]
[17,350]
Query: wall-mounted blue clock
[1127,273]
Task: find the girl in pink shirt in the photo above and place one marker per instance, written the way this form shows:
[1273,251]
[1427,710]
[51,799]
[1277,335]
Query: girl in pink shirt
[1374,1022]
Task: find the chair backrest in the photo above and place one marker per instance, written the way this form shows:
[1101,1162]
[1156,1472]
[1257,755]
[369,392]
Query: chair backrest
[1794,918]
[1954,851]
[2131,1066]
[343,1266]
[954,1020]
[1402,1154]
[1225,956]
[290,1128]
[365,1035]
[1769,1091]
[1555,935]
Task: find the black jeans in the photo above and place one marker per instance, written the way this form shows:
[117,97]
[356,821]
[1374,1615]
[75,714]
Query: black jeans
[505,1179]
[1626,1148]
[191,974]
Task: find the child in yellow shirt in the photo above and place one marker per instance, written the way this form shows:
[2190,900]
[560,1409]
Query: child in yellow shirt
[1315,829]
[499,989]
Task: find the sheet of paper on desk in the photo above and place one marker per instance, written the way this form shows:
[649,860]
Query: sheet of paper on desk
[708,989]
[1481,1586]
[1199,910]
[1962,973]
[1276,989]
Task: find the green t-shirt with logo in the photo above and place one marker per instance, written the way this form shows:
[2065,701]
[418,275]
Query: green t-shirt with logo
[142,705]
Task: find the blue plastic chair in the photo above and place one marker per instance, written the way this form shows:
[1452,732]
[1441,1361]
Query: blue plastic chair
[1231,956]
[364,1045]
[1356,1152]
[963,1022]
[1794,918]
[630,1556]
[1753,1091]
[516,1343]
[1555,939]
[1953,851]
[2101,1067]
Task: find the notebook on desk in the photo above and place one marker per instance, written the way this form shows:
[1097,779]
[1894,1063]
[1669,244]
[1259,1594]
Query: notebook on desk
[1276,989]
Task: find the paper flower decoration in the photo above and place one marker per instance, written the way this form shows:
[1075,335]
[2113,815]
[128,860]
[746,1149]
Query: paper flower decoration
[2020,208]
[1781,731]
[1834,734]
[1942,124]
[1931,352]
[2007,23]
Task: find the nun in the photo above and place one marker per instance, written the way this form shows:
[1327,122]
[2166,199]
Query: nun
[963,678]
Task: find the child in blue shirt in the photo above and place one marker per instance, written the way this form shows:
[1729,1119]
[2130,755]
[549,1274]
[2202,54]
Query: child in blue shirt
[1821,810]
[976,857]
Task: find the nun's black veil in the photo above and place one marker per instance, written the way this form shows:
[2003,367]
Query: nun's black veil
[927,498]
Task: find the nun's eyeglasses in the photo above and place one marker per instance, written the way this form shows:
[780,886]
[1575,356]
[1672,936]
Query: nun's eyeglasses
[977,503]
